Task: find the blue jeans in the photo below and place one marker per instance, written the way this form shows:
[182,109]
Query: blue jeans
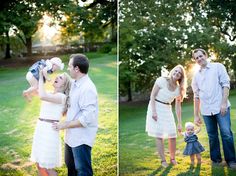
[78,160]
[212,122]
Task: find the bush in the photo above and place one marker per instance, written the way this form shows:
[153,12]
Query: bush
[105,48]
[113,50]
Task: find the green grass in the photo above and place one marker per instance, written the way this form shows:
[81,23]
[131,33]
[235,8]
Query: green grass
[18,119]
[137,151]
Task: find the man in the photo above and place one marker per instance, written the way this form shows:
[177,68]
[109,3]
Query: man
[82,119]
[211,86]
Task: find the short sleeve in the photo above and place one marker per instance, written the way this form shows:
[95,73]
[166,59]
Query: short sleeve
[160,82]
[63,99]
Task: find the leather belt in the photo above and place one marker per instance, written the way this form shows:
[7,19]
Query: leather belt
[48,120]
[162,102]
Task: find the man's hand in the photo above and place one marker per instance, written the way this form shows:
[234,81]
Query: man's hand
[179,127]
[223,109]
[197,120]
[58,126]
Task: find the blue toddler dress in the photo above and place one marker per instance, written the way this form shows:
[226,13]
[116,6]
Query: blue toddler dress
[34,69]
[192,146]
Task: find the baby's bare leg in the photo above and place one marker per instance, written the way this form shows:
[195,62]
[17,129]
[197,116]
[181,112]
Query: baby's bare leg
[192,159]
[199,158]
[33,86]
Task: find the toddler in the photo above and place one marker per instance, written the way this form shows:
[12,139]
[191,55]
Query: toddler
[48,67]
[193,147]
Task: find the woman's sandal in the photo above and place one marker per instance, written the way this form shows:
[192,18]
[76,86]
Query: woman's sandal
[173,161]
[164,164]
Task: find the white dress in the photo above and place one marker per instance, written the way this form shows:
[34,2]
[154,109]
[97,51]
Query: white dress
[165,126]
[46,147]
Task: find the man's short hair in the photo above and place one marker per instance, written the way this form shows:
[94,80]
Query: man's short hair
[80,61]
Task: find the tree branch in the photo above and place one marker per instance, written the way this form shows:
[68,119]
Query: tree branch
[231,38]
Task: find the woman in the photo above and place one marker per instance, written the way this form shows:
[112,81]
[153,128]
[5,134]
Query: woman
[160,122]
[46,148]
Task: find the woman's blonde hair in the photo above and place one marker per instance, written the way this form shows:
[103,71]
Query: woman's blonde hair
[66,90]
[182,81]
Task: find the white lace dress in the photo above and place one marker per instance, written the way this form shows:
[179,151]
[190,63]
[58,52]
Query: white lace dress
[46,147]
[165,126]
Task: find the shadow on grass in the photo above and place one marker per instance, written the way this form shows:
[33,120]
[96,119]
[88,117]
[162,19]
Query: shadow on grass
[191,171]
[161,169]
[217,170]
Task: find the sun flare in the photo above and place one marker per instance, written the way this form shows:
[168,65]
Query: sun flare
[48,30]
[194,68]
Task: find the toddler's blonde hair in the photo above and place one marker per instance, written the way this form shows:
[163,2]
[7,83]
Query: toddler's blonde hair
[189,124]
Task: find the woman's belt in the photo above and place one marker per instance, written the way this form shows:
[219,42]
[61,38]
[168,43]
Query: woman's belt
[162,102]
[48,120]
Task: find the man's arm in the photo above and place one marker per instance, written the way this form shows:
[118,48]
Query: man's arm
[225,83]
[223,108]
[196,100]
[87,115]
[197,119]
[65,125]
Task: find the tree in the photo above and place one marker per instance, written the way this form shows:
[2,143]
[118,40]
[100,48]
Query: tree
[92,20]
[222,14]
[26,20]
[106,15]
[24,17]
[157,40]
[5,24]
[164,33]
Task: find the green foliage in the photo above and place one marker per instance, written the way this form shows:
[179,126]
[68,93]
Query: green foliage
[222,14]
[24,17]
[97,21]
[113,50]
[157,34]
[105,48]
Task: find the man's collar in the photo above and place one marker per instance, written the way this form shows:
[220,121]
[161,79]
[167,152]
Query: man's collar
[80,80]
[206,67]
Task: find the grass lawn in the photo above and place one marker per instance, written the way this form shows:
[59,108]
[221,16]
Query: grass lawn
[18,119]
[137,151]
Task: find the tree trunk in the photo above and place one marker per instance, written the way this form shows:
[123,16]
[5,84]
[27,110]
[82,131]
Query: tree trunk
[29,46]
[129,91]
[7,53]
[113,33]
[233,67]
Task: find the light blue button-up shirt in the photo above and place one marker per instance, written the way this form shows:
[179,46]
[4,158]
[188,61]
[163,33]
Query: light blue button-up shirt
[83,107]
[207,85]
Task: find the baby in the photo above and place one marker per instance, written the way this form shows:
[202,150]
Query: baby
[193,147]
[48,66]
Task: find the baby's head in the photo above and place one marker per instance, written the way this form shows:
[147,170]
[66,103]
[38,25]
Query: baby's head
[189,127]
[56,64]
